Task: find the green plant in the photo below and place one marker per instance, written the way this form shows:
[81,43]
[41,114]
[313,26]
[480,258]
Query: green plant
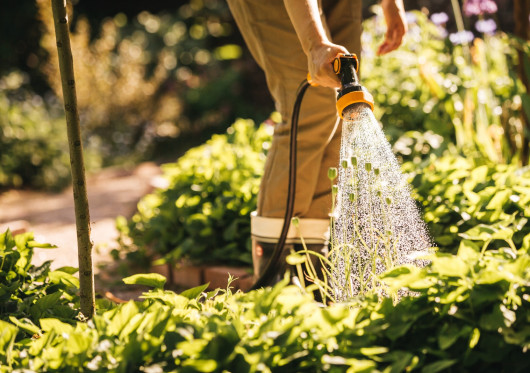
[32,138]
[430,87]
[29,293]
[472,198]
[157,77]
[470,313]
[203,214]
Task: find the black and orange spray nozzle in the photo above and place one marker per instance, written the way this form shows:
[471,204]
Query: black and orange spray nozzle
[351,91]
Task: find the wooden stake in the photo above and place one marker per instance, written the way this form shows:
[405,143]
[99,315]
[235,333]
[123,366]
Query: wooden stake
[82,216]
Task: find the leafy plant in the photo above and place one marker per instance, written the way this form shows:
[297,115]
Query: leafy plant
[202,214]
[470,313]
[430,92]
[33,139]
[29,293]
[472,198]
[157,77]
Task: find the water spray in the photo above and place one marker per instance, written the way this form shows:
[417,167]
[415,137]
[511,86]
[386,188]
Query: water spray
[351,93]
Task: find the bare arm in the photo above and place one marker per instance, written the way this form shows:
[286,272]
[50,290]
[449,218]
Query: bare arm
[320,51]
[305,17]
[396,25]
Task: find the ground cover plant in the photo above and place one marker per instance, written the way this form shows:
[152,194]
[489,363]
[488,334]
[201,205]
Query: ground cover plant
[471,312]
[473,198]
[202,214]
[29,293]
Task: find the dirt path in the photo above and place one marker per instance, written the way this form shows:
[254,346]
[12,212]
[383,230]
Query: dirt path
[51,217]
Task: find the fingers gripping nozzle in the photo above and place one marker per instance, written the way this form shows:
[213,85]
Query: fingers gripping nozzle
[351,91]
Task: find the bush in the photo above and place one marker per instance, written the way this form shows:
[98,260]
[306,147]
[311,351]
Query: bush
[155,77]
[29,293]
[203,214]
[472,198]
[470,313]
[33,139]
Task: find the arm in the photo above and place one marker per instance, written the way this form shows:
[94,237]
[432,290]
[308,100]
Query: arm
[320,52]
[396,25]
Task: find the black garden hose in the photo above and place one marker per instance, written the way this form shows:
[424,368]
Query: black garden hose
[271,269]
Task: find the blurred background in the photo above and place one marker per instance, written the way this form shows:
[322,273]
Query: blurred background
[153,79]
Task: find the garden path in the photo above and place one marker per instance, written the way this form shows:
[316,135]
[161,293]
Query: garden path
[51,217]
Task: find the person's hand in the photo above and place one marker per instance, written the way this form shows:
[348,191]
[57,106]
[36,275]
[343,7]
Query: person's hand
[396,24]
[320,63]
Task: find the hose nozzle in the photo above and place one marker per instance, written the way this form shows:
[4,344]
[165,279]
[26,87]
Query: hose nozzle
[351,91]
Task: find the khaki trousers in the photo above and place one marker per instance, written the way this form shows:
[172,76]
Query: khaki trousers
[272,40]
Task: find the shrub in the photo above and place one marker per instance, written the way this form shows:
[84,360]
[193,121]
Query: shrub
[472,198]
[33,139]
[203,214]
[29,293]
[153,77]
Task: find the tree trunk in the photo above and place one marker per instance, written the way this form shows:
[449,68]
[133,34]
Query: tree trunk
[521,10]
[82,216]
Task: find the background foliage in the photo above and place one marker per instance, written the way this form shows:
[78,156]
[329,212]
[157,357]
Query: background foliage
[34,148]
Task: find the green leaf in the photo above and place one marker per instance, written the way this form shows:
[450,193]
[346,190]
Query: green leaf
[68,269]
[48,324]
[120,317]
[201,365]
[475,336]
[40,245]
[193,293]
[154,280]
[60,277]
[373,350]
[479,232]
[47,301]
[468,251]
[451,266]
[26,325]
[438,366]
[8,334]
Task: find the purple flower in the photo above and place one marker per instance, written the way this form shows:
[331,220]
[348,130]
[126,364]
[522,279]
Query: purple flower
[461,37]
[486,26]
[439,18]
[411,17]
[479,7]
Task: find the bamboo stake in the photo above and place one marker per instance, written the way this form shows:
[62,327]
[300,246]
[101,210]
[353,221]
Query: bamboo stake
[82,215]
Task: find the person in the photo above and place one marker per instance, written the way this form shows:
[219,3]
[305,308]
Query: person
[288,39]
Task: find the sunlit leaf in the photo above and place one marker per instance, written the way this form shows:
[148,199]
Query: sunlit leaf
[155,280]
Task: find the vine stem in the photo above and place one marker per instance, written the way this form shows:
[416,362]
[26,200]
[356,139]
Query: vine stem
[82,215]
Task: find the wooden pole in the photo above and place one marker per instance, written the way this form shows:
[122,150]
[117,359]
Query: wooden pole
[82,216]
[521,10]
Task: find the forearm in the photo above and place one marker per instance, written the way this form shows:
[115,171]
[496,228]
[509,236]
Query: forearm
[305,17]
